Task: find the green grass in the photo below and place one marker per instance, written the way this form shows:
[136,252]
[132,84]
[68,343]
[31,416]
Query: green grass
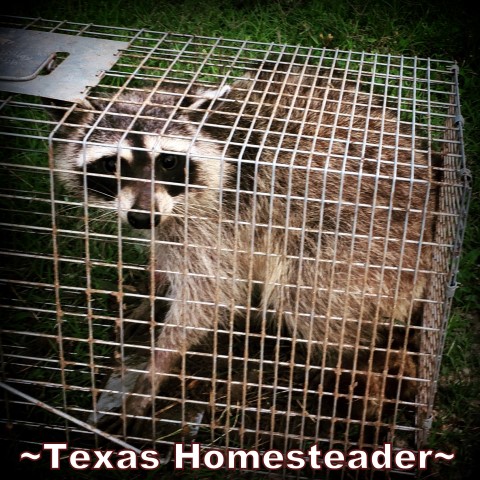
[442,29]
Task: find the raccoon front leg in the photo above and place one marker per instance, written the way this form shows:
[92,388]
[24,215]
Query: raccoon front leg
[186,324]
[169,348]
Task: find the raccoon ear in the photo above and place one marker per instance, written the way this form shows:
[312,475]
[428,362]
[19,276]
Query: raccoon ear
[203,98]
[58,108]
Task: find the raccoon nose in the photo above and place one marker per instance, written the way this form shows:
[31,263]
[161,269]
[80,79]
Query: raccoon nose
[142,219]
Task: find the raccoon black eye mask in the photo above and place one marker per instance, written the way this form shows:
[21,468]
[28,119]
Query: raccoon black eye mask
[169,171]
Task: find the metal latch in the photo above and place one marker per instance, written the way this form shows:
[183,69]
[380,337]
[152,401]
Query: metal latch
[54,65]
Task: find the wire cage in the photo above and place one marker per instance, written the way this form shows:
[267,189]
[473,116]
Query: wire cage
[299,215]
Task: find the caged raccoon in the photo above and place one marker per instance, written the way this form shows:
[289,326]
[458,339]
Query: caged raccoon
[290,192]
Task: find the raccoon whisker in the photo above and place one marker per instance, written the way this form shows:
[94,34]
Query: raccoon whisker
[102,194]
[102,215]
[67,209]
[196,210]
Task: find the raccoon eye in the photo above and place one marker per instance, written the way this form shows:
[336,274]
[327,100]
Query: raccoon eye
[169,161]
[110,164]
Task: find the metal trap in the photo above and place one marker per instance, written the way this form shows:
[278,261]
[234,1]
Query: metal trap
[299,215]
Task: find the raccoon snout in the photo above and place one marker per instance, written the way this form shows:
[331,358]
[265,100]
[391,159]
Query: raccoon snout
[142,220]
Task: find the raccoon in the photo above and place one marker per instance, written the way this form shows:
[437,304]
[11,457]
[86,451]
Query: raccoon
[290,197]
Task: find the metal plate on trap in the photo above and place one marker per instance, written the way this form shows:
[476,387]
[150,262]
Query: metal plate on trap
[25,57]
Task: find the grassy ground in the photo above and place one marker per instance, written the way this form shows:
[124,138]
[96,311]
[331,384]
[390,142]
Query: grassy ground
[441,29]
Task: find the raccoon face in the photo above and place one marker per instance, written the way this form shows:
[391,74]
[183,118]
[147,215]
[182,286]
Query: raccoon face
[143,184]
[147,166]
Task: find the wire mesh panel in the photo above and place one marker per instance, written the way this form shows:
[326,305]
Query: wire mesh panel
[251,246]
